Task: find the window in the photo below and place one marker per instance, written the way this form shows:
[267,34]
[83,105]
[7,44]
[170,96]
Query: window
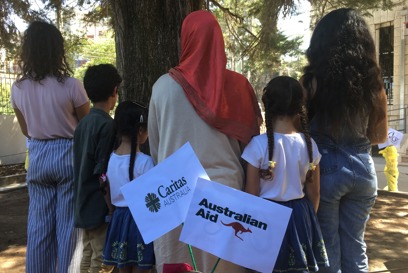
[386,57]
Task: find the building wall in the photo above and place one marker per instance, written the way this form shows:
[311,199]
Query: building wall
[13,142]
[397,18]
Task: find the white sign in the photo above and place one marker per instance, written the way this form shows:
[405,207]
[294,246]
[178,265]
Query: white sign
[235,226]
[159,199]
[394,138]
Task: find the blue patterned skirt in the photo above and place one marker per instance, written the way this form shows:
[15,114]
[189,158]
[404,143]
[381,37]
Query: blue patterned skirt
[303,248]
[124,245]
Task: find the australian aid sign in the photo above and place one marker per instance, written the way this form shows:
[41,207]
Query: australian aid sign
[159,199]
[235,226]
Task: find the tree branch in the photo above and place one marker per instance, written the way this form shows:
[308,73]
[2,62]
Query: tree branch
[227,10]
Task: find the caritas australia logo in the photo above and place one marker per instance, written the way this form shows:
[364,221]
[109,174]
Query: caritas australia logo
[167,194]
[152,202]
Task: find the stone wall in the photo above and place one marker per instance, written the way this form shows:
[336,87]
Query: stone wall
[12,144]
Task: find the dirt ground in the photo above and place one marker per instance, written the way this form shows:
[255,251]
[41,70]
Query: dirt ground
[386,235]
[11,169]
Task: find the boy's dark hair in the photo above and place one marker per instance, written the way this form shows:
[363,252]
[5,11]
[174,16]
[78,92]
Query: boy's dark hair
[100,81]
[129,118]
[42,53]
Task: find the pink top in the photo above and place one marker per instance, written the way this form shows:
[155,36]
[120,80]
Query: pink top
[49,106]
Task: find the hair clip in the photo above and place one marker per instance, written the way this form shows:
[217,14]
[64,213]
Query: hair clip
[312,167]
[272,164]
[141,119]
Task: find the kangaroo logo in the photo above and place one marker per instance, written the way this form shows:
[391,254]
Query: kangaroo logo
[238,228]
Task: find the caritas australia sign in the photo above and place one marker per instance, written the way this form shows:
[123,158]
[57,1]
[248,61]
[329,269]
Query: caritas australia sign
[159,199]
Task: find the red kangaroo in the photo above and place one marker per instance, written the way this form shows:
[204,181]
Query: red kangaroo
[238,228]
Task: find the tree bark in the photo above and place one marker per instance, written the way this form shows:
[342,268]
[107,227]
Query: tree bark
[147,41]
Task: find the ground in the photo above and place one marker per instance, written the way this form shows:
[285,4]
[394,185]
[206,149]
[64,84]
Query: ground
[11,169]
[386,236]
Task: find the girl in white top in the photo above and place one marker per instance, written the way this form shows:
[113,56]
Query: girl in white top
[124,245]
[283,167]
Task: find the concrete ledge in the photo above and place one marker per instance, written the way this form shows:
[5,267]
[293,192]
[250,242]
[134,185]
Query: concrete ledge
[12,179]
[14,186]
[393,193]
[12,182]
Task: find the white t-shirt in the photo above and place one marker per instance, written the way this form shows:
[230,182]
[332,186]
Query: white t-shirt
[292,164]
[118,174]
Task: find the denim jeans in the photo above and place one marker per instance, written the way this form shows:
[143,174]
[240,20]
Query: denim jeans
[348,191]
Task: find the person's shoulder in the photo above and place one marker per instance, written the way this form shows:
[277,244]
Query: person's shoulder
[236,76]
[71,81]
[164,80]
[163,85]
[21,83]
[259,138]
[144,157]
[235,73]
[97,117]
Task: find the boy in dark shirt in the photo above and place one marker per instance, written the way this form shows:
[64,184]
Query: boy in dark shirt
[93,141]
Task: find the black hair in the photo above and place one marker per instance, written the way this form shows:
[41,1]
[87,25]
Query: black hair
[283,96]
[100,81]
[129,118]
[42,53]
[342,61]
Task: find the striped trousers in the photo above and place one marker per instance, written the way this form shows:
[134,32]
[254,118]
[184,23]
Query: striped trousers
[51,237]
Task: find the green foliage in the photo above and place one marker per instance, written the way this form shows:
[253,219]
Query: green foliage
[293,67]
[5,106]
[253,42]
[321,7]
[73,46]
[96,52]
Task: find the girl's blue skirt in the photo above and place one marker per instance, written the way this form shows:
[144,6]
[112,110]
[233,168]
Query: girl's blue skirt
[124,245]
[302,247]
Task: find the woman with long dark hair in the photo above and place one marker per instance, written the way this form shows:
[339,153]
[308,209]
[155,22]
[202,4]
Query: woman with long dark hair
[348,110]
[48,104]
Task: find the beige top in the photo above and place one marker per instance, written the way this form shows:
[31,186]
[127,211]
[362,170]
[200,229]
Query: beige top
[173,122]
[49,106]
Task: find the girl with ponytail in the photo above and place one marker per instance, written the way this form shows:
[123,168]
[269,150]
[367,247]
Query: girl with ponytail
[283,167]
[124,245]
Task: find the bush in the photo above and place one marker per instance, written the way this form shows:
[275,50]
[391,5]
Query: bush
[5,105]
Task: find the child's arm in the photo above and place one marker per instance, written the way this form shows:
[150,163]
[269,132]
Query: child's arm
[104,182]
[252,180]
[21,122]
[313,188]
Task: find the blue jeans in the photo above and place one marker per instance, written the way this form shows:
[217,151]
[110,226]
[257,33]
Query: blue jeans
[348,191]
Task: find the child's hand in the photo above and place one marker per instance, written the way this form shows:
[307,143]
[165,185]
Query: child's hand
[103,183]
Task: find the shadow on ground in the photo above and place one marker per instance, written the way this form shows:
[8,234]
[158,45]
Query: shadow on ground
[386,234]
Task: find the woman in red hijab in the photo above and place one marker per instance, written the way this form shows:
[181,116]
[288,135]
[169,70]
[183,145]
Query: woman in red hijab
[213,108]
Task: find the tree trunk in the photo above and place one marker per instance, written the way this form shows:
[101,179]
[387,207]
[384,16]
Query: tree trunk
[147,41]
